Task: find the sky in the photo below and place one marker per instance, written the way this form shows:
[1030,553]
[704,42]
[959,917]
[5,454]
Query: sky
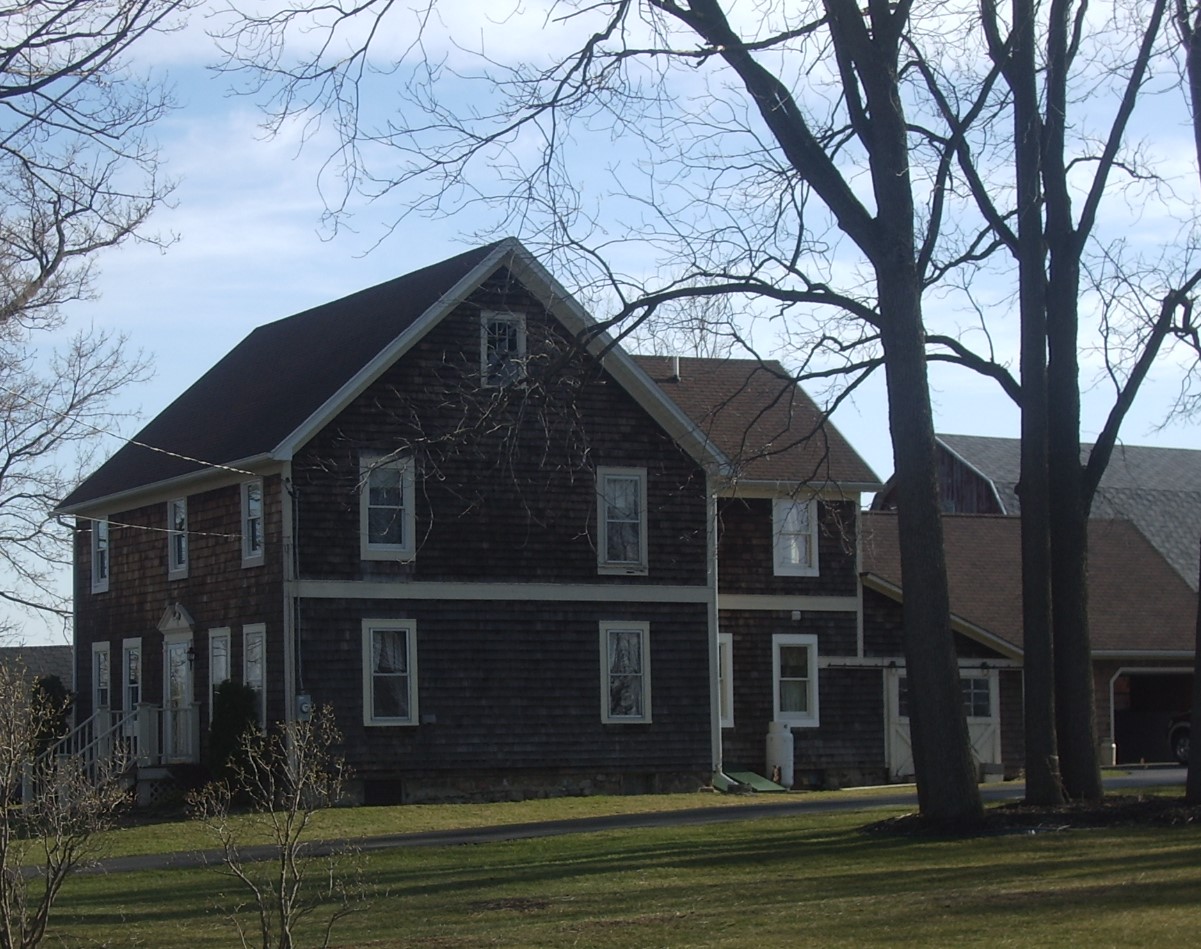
[250,249]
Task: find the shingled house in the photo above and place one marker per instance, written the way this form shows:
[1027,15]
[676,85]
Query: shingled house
[1143,571]
[511,563]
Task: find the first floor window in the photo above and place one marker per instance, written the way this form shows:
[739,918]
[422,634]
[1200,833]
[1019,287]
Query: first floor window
[794,678]
[389,672]
[621,517]
[101,677]
[725,678]
[177,538]
[219,669]
[100,559]
[252,523]
[625,672]
[131,663]
[794,537]
[386,514]
[976,691]
[254,665]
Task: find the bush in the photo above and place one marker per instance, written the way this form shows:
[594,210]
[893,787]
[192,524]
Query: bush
[235,717]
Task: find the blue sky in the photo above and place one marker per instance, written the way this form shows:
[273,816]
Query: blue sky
[250,250]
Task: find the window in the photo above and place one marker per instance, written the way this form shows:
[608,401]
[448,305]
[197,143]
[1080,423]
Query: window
[725,678]
[625,672]
[977,696]
[252,523]
[794,678]
[177,538]
[794,537]
[218,662]
[502,348]
[131,665]
[389,672]
[386,518]
[621,516]
[254,665]
[100,558]
[101,677]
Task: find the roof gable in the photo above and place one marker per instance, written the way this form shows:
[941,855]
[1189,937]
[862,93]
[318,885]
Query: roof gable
[286,379]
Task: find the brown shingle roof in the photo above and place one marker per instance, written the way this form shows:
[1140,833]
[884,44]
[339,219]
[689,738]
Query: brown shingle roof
[761,419]
[1137,602]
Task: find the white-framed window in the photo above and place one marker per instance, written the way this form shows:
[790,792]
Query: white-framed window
[389,672]
[621,520]
[254,665]
[625,652]
[102,680]
[794,537]
[387,520]
[725,678]
[794,678]
[502,348]
[100,555]
[219,666]
[253,543]
[977,691]
[131,673]
[177,538]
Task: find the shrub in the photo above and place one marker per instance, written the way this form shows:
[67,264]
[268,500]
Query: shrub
[235,717]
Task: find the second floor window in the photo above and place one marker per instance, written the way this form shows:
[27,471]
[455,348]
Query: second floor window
[794,537]
[621,517]
[177,538]
[100,556]
[386,515]
[252,523]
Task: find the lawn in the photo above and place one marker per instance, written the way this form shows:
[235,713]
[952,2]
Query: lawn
[813,880]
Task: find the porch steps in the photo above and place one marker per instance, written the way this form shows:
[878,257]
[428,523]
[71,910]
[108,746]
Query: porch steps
[756,782]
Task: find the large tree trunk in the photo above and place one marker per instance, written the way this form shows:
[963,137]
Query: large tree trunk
[1042,764]
[1192,785]
[946,783]
[1074,714]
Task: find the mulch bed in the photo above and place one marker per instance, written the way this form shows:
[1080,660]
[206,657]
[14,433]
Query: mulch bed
[1019,818]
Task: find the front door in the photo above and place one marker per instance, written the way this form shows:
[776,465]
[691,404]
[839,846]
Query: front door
[981,703]
[178,709]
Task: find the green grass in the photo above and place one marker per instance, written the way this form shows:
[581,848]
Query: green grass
[812,880]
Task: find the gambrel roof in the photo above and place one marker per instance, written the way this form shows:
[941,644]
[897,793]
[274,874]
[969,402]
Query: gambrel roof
[1157,489]
[275,389]
[1138,604]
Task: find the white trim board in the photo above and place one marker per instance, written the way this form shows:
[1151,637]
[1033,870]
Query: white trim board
[453,590]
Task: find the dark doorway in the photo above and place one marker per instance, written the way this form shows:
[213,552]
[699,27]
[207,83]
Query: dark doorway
[1143,704]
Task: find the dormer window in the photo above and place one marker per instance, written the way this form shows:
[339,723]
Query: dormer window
[502,348]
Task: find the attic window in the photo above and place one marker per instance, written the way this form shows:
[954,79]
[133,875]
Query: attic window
[502,348]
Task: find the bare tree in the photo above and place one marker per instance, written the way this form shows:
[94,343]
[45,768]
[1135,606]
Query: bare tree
[282,780]
[78,174]
[54,828]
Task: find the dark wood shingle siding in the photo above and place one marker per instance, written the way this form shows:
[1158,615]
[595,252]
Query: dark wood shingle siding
[505,480]
[217,592]
[506,685]
[745,552]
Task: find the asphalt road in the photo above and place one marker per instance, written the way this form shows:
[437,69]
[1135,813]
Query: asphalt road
[789,804]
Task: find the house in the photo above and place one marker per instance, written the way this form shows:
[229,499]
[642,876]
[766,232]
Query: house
[39,662]
[1142,576]
[511,562]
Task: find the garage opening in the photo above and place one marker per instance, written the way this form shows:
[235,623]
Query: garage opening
[1143,705]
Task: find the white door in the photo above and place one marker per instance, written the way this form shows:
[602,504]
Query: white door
[982,704]
[177,709]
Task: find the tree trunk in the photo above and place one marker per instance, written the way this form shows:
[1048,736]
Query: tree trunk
[1192,786]
[946,783]
[1074,713]
[1042,764]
